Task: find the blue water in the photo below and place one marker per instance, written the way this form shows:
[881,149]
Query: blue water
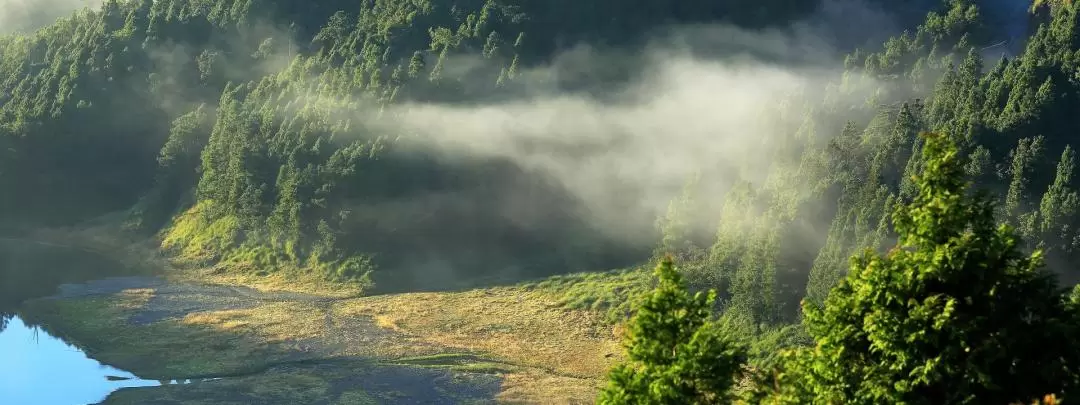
[39,369]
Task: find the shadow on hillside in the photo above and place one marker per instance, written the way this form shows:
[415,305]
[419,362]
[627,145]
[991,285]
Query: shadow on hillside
[444,276]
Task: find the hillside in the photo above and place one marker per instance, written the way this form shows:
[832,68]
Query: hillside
[243,131]
[450,148]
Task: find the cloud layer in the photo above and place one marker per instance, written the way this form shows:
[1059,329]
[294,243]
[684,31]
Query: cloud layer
[27,15]
[626,154]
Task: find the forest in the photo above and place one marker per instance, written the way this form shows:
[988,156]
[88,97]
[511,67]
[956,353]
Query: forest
[412,145]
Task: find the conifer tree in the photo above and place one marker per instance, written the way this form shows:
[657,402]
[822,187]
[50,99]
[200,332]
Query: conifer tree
[955,314]
[677,354]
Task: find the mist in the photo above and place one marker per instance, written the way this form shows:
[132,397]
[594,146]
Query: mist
[29,15]
[712,101]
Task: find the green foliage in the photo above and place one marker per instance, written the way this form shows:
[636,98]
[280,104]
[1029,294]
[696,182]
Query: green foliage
[1006,117]
[614,293]
[956,313]
[139,106]
[258,113]
[677,354]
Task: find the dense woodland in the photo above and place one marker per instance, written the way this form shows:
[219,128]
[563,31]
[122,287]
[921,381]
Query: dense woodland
[955,313]
[230,129]
[245,132]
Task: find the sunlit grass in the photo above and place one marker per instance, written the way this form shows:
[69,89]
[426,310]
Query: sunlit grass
[611,293]
[273,322]
[194,237]
[284,280]
[193,240]
[513,324]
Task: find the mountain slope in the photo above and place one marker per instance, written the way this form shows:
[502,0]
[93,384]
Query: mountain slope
[239,128]
[262,138]
[259,135]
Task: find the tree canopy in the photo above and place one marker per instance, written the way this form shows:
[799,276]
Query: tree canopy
[956,313]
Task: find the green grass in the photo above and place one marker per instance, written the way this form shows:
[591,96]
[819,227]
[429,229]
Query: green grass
[615,293]
[193,238]
[612,293]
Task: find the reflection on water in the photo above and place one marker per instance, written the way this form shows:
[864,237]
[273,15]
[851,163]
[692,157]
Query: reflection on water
[30,269]
[37,368]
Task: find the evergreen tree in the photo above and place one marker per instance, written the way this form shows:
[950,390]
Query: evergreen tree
[955,314]
[677,355]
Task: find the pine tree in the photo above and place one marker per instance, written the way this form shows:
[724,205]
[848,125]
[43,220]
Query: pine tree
[956,314]
[1025,158]
[677,354]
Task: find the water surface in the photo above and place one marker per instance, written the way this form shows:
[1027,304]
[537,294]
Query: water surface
[37,368]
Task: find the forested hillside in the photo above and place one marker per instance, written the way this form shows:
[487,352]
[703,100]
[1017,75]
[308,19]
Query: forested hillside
[406,145]
[256,133]
[1011,116]
[239,130]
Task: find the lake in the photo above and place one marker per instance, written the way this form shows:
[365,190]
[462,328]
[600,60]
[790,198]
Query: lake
[37,368]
